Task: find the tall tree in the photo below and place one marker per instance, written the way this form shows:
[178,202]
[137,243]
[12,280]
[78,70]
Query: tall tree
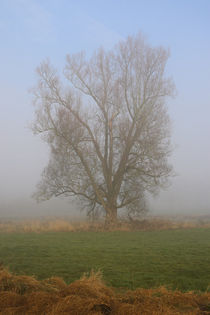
[107,126]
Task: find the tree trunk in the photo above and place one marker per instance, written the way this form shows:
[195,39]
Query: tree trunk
[111,217]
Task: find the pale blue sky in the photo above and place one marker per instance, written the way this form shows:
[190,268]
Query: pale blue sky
[31,30]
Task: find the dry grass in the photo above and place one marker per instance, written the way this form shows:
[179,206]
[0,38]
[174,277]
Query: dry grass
[23,295]
[66,225]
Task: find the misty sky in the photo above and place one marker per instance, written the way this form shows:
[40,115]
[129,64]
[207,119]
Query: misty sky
[31,30]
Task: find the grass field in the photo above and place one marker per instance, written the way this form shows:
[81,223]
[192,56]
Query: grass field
[176,258]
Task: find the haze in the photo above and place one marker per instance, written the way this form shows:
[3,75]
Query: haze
[31,30]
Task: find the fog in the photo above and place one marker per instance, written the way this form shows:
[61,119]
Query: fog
[32,30]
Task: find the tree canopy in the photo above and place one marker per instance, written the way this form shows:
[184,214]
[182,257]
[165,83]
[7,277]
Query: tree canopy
[107,127]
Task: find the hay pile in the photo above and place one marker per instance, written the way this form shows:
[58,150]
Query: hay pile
[23,295]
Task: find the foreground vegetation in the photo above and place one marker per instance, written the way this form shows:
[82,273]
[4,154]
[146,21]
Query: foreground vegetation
[178,259]
[25,295]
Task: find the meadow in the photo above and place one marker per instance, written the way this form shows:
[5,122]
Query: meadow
[177,259]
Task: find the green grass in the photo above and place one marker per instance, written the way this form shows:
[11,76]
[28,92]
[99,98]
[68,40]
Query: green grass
[177,259]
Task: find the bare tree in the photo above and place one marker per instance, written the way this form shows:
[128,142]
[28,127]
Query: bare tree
[107,127]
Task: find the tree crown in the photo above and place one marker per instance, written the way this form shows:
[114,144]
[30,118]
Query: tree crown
[108,130]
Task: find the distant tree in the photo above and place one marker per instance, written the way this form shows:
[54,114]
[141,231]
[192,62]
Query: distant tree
[107,127]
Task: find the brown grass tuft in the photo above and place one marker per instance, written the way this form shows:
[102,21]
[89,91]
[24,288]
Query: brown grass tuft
[54,283]
[40,302]
[91,289]
[25,284]
[11,299]
[18,284]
